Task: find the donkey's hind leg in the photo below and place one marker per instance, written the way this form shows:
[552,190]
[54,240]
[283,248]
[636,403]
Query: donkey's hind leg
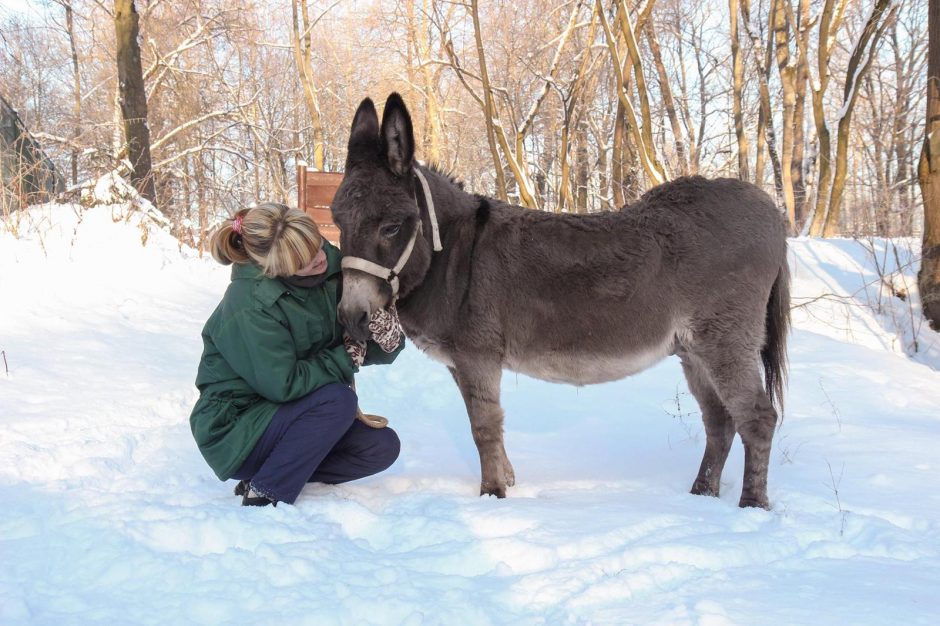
[719,428]
[479,386]
[736,376]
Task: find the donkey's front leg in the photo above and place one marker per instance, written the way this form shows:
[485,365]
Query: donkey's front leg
[479,385]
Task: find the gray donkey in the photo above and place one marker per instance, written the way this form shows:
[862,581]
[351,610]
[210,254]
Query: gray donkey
[696,268]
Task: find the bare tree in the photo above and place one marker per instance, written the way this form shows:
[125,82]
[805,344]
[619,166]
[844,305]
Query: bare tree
[420,44]
[511,146]
[668,100]
[575,116]
[489,107]
[737,72]
[766,122]
[77,87]
[782,34]
[858,65]
[302,37]
[641,131]
[803,29]
[625,163]
[572,119]
[133,97]
[928,279]
[829,22]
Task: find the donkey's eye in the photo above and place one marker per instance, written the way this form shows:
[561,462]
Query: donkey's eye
[390,230]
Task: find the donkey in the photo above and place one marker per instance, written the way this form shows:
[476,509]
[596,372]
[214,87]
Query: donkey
[696,268]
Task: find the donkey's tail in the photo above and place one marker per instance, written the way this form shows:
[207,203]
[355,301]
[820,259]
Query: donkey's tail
[774,353]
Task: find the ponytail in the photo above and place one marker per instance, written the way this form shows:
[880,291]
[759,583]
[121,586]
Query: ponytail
[280,240]
[226,245]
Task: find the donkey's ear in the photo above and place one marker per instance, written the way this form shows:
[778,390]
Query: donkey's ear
[397,137]
[364,134]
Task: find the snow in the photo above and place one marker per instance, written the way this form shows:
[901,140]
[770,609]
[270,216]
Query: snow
[111,515]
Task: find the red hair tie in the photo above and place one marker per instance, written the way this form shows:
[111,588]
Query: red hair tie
[237,224]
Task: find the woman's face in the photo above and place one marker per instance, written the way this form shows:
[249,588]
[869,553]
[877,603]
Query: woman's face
[316,266]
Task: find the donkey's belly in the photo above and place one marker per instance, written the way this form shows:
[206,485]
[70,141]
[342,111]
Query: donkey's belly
[586,369]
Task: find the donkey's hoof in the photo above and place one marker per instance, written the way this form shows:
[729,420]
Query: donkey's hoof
[499,492]
[702,488]
[757,503]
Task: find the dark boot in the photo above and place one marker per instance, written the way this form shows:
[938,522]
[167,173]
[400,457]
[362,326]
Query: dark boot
[251,497]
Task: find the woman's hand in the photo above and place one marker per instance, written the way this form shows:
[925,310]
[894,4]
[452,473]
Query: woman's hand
[386,328]
[386,332]
[356,350]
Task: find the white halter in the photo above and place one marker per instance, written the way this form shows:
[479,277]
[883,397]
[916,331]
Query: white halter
[390,275]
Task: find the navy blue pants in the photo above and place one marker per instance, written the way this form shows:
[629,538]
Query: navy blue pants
[317,439]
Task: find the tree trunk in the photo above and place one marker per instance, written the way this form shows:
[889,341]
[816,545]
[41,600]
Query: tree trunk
[781,35]
[690,130]
[77,91]
[582,174]
[828,27]
[489,108]
[300,37]
[900,144]
[737,65]
[564,180]
[802,30]
[624,164]
[763,74]
[133,97]
[203,208]
[928,278]
[433,134]
[760,161]
[603,185]
[697,140]
[668,100]
[646,151]
[630,32]
[618,144]
[859,63]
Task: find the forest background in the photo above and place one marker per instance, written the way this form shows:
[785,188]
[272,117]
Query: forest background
[571,105]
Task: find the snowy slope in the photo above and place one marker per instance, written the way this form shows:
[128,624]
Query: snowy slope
[111,516]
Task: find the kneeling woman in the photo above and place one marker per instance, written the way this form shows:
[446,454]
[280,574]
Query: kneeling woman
[276,409]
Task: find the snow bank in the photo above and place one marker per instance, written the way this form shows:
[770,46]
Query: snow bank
[111,516]
[863,291]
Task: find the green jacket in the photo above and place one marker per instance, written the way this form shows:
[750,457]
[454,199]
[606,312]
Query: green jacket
[264,345]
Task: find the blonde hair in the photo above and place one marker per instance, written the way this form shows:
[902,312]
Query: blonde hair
[281,240]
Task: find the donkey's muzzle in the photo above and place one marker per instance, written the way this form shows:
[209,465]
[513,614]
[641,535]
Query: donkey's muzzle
[355,320]
[362,294]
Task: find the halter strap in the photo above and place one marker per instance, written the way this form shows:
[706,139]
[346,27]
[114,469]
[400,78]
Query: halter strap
[390,275]
[432,214]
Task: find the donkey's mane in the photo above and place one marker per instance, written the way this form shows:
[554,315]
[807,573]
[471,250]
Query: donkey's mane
[441,169]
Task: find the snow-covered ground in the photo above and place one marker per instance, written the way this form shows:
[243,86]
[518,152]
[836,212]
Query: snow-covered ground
[110,514]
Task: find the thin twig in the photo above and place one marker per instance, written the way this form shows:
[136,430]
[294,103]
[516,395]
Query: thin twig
[5,366]
[847,299]
[835,490]
[832,405]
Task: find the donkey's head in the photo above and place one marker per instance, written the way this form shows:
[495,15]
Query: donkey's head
[376,210]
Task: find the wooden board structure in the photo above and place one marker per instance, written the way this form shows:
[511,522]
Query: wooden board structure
[315,191]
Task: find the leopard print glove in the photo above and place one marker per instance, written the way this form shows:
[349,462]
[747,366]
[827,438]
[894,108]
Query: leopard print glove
[386,329]
[356,350]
